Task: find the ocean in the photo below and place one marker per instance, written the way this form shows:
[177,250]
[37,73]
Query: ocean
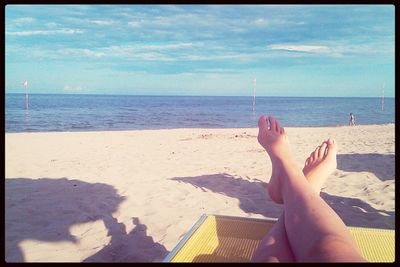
[62,112]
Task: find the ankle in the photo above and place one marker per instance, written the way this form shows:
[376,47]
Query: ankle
[291,175]
[286,161]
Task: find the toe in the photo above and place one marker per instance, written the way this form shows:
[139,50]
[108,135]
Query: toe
[331,144]
[262,123]
[272,122]
[278,126]
[322,150]
[331,148]
[316,152]
[311,157]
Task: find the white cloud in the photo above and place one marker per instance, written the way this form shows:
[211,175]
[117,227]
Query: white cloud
[134,24]
[45,32]
[260,22]
[183,21]
[25,20]
[193,57]
[72,88]
[52,24]
[301,48]
[147,52]
[101,22]
[82,52]
[186,52]
[153,56]
[238,29]
[123,52]
[168,46]
[337,49]
[216,70]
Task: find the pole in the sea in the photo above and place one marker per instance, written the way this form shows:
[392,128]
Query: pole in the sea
[254,94]
[383,96]
[25,84]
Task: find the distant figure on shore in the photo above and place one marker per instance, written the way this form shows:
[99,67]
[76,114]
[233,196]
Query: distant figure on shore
[352,121]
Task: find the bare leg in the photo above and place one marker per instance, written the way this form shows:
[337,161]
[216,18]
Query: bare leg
[315,232]
[318,166]
[275,246]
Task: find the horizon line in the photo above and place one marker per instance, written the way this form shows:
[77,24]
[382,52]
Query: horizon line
[108,94]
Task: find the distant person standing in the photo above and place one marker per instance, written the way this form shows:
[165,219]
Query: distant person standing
[352,121]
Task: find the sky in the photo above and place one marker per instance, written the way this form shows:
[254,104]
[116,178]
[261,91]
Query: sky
[291,50]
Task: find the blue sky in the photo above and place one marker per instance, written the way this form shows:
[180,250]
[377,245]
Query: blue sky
[292,50]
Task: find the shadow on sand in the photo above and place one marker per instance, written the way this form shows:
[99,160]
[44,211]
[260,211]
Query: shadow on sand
[252,195]
[379,164]
[357,213]
[45,209]
[253,199]
[136,246]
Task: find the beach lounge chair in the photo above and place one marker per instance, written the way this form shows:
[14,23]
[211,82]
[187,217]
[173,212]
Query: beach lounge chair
[216,238]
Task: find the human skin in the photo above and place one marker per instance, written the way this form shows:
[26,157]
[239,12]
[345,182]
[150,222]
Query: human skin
[313,231]
[275,246]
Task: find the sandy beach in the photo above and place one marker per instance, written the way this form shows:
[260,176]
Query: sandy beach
[123,196]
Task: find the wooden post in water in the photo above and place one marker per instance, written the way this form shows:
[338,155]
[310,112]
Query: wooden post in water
[25,84]
[383,96]
[254,94]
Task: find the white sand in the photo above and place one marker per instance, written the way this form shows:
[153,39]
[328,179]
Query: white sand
[132,195]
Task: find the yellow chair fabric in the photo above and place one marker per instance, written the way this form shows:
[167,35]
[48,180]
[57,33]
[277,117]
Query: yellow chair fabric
[216,238]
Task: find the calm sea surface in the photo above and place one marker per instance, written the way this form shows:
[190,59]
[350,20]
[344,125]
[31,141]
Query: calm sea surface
[51,112]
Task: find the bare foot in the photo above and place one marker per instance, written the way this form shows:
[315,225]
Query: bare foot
[316,169]
[320,164]
[272,137]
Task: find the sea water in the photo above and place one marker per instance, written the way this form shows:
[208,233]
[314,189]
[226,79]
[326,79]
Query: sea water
[65,112]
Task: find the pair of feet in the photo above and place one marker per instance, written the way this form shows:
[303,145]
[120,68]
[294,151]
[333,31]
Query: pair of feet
[318,166]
